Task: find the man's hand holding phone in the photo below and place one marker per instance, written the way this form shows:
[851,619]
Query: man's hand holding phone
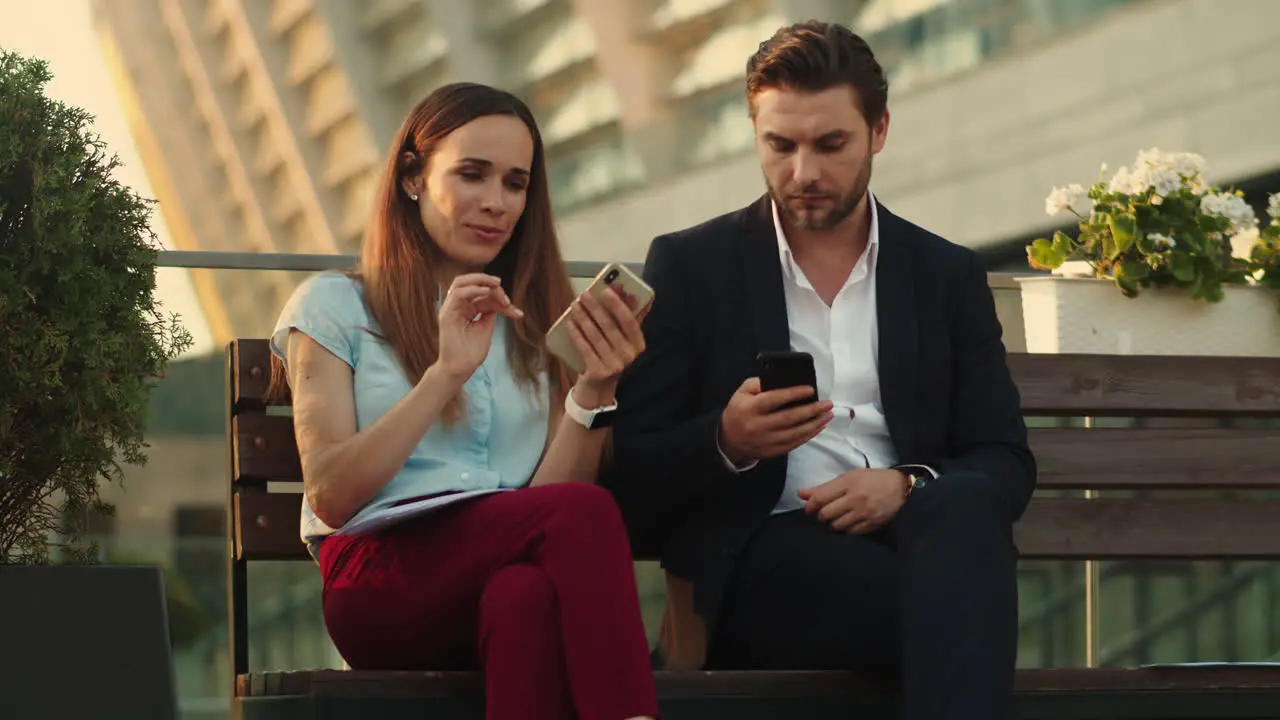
[756,424]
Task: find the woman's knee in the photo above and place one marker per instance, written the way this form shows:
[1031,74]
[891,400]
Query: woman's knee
[585,503]
[520,591]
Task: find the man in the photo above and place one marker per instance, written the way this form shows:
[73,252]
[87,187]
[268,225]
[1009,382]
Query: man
[872,528]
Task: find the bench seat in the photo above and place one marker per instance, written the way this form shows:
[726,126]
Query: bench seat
[1241,692]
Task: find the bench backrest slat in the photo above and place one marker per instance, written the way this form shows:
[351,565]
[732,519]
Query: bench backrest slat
[1154,458]
[1068,458]
[251,375]
[1143,386]
[265,449]
[268,527]
[1149,528]
[1058,529]
[1051,385]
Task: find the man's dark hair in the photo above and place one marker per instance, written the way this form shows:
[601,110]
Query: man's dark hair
[814,56]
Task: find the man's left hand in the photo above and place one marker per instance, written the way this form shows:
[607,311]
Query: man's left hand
[859,501]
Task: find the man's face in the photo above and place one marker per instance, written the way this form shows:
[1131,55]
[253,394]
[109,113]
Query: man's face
[816,149]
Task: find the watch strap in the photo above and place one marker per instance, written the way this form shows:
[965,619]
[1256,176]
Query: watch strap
[590,419]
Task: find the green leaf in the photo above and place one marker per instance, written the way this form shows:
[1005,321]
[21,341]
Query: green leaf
[1123,229]
[1213,223]
[1127,275]
[1062,244]
[1132,270]
[1184,268]
[1108,250]
[1042,255]
[1206,287]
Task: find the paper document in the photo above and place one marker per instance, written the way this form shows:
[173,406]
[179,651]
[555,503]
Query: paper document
[393,515]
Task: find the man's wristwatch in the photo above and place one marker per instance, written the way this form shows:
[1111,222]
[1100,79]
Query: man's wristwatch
[917,478]
[600,417]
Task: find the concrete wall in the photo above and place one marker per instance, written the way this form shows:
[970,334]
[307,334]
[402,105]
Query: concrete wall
[973,157]
[180,471]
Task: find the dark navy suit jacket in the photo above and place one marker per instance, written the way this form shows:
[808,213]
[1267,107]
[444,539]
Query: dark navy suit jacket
[948,396]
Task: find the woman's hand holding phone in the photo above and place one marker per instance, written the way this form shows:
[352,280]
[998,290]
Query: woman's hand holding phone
[606,333]
[467,317]
[754,425]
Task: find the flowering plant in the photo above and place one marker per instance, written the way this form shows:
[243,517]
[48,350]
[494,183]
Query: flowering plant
[1265,253]
[1157,223]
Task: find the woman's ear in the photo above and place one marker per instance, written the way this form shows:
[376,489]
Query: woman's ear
[412,188]
[411,182]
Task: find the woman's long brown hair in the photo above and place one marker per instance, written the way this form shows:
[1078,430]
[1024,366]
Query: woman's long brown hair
[401,267]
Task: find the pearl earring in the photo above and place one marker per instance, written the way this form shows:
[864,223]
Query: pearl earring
[413,197]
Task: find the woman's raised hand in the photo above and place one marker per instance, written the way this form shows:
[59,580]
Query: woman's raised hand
[467,318]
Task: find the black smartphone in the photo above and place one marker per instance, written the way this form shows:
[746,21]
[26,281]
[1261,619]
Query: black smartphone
[787,369]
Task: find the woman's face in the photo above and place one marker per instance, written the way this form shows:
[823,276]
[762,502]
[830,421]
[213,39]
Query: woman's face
[473,189]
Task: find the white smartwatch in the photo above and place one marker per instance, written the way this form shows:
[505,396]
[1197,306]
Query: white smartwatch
[600,417]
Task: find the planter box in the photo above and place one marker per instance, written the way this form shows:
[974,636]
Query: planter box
[1089,315]
[84,643]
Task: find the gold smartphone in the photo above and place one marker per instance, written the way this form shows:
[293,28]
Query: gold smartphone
[615,277]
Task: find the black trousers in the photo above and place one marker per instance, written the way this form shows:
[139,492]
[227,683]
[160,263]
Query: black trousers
[931,598]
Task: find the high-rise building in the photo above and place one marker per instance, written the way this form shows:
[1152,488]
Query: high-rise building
[263,123]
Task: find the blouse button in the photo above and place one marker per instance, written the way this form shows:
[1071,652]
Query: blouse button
[465,476]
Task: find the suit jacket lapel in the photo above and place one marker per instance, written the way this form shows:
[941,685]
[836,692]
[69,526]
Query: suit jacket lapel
[896,318]
[762,278]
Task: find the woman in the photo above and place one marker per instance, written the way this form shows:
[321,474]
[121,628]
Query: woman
[423,377]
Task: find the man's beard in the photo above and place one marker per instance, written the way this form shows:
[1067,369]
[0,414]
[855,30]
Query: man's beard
[816,220]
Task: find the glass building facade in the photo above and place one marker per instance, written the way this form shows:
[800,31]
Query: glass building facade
[263,125]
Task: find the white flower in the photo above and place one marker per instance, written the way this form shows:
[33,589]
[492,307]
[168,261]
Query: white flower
[1185,164]
[1127,182]
[1072,197]
[1242,243]
[1164,180]
[1231,207]
[1163,172]
[1162,240]
[1273,208]
[1188,165]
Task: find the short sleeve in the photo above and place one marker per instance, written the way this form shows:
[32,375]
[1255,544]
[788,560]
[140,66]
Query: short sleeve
[329,308]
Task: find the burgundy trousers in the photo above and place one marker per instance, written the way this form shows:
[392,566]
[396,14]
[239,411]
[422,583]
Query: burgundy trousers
[534,586]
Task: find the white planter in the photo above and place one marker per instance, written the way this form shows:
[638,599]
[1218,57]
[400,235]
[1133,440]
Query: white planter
[1089,315]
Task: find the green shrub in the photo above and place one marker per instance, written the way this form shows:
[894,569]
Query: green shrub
[83,338]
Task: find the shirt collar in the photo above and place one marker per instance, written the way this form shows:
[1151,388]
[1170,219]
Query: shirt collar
[866,264]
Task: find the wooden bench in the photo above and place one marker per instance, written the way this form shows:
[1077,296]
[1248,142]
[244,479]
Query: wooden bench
[1213,457]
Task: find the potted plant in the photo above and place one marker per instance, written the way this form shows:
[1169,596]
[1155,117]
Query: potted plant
[83,342]
[1164,264]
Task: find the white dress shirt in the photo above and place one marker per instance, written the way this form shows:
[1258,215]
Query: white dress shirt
[843,339]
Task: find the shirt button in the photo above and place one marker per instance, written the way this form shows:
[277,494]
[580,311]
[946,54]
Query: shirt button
[465,476]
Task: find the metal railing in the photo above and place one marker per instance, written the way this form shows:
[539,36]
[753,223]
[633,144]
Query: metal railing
[310,262]
[317,262]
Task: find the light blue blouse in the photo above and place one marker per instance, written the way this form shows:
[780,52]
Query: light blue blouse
[496,446]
